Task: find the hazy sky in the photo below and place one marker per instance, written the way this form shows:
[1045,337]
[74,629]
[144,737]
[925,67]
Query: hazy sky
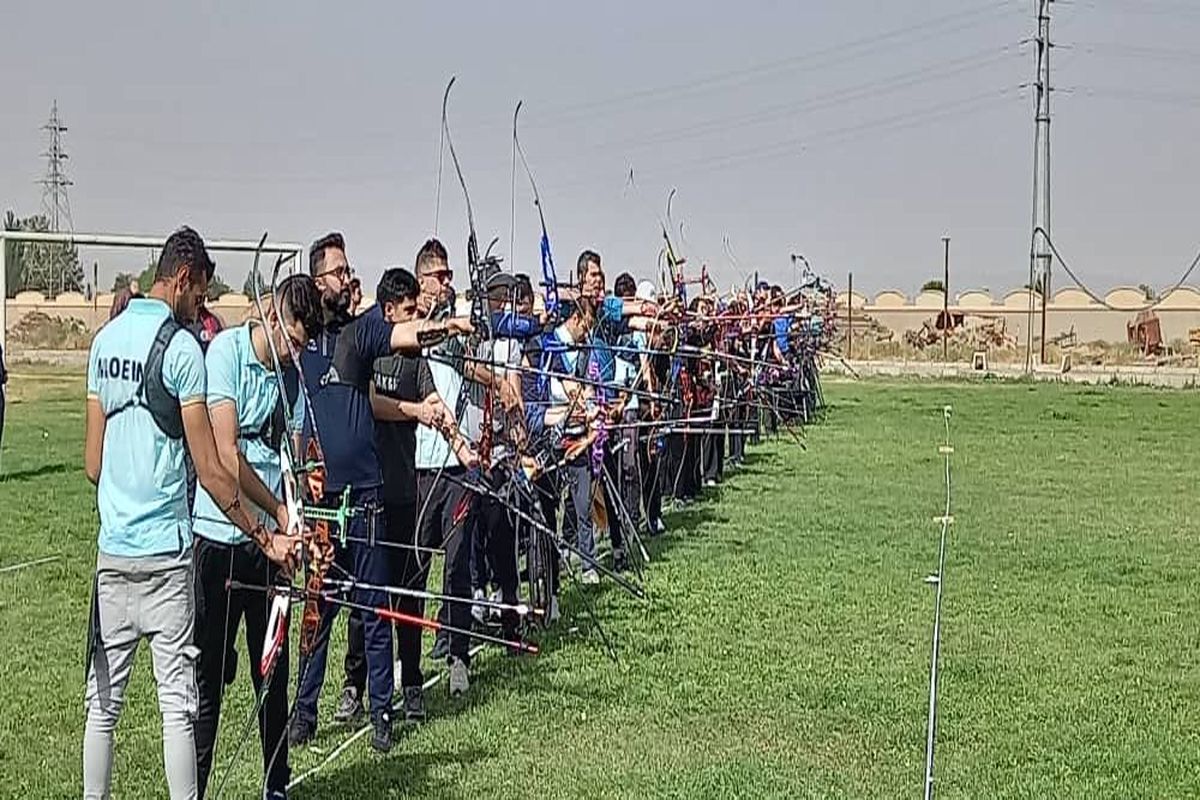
[856,133]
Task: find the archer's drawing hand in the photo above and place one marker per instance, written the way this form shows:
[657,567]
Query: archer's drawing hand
[283,519]
[459,326]
[465,454]
[284,550]
[510,398]
[431,411]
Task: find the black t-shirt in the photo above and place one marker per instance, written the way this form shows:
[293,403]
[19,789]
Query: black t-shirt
[399,378]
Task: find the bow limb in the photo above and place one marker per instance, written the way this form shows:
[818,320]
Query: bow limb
[480,318]
[275,637]
[549,274]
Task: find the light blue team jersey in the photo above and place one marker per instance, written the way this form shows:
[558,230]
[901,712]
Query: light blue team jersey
[629,364]
[433,451]
[235,375]
[142,492]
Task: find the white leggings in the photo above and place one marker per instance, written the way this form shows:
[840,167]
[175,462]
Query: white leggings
[143,598]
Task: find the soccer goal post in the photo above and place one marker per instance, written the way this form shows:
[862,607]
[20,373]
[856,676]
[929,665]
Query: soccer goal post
[121,241]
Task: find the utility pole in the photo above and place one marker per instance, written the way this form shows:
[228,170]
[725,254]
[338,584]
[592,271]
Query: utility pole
[1039,252]
[946,325]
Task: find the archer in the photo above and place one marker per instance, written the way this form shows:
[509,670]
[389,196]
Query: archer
[145,406]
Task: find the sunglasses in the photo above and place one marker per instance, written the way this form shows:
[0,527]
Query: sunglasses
[441,275]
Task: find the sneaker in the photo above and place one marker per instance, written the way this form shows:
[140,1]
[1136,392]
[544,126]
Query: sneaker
[555,614]
[496,597]
[275,794]
[590,577]
[620,560]
[441,647]
[350,708]
[477,611]
[710,483]
[460,680]
[381,738]
[414,705]
[659,526]
[301,732]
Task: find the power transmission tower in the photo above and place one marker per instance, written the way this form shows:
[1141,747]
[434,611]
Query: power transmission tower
[44,265]
[55,203]
[1039,251]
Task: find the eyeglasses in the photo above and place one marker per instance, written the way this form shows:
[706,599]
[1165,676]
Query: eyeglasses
[440,275]
[343,272]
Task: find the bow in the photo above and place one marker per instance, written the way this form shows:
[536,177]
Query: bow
[317,534]
[479,270]
[549,274]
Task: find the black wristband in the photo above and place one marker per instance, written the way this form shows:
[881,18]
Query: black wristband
[428,337]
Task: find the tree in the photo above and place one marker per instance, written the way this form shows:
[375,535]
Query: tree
[216,287]
[146,279]
[123,280]
[45,268]
[934,286]
[254,285]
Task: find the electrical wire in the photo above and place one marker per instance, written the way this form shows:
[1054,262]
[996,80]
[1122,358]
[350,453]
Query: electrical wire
[1102,301]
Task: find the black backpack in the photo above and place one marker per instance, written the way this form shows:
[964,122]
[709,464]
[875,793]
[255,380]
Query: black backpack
[152,393]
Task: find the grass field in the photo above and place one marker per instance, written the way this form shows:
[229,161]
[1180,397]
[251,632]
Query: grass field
[785,650]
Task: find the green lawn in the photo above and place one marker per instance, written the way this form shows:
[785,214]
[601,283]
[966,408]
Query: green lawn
[785,651]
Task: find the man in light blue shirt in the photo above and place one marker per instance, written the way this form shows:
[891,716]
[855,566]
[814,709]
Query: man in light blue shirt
[251,415]
[145,405]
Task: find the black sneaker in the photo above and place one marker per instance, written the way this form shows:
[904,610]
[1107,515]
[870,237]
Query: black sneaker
[620,560]
[414,705]
[301,732]
[441,647]
[381,738]
[350,708]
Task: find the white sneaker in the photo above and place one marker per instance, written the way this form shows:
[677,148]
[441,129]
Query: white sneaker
[590,577]
[496,597]
[555,614]
[477,611]
[460,680]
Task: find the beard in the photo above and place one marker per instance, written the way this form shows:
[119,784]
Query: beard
[337,304]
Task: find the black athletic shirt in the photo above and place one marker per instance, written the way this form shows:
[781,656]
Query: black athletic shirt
[399,378]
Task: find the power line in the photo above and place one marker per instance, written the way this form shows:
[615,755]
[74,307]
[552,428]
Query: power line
[1187,273]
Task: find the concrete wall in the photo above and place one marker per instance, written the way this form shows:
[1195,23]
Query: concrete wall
[1069,308]
[232,308]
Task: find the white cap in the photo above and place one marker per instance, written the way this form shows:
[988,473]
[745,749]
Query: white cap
[646,292]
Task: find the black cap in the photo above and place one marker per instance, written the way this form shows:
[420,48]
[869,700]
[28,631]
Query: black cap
[500,280]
